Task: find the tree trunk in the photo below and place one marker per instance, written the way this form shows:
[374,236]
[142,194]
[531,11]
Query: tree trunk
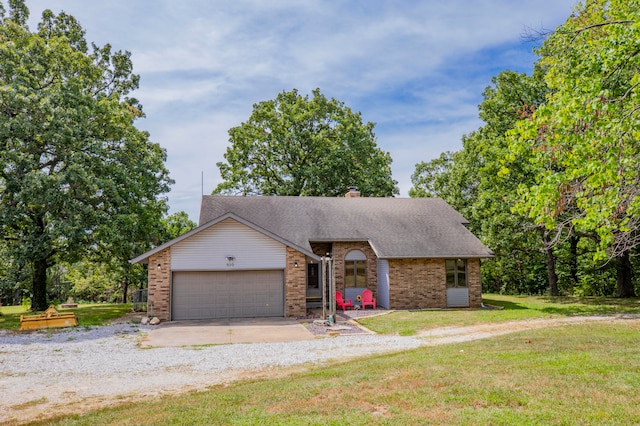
[573,261]
[552,276]
[39,301]
[551,272]
[623,276]
[125,289]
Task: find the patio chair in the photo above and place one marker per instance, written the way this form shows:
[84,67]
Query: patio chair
[368,299]
[342,303]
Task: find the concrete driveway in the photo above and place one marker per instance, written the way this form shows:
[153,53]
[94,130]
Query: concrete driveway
[224,331]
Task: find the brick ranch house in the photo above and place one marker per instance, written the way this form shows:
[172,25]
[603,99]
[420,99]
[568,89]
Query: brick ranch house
[260,256]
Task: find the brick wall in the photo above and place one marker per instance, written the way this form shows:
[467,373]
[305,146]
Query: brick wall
[414,283]
[474,283]
[295,284]
[340,250]
[417,284]
[422,283]
[160,285]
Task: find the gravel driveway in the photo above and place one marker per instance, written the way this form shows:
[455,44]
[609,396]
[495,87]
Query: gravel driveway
[72,370]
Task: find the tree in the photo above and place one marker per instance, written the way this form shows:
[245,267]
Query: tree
[470,180]
[512,98]
[449,177]
[431,178]
[106,273]
[584,137]
[139,239]
[175,225]
[294,145]
[453,176]
[131,233]
[91,281]
[75,173]
[14,277]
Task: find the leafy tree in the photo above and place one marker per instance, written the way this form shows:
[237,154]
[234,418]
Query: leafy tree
[76,175]
[453,177]
[522,245]
[175,225]
[584,138]
[471,181]
[519,243]
[431,178]
[295,145]
[106,274]
[91,281]
[14,277]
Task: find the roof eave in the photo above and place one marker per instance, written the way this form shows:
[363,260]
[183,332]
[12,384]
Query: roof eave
[144,258]
[460,256]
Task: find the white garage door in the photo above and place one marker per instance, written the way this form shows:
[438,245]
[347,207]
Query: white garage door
[237,294]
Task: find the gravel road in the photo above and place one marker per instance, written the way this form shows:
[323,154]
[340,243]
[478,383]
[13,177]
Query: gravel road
[73,370]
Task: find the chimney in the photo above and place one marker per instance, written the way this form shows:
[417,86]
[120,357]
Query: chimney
[353,192]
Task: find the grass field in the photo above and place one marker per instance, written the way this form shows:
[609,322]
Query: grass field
[407,323]
[585,374]
[88,314]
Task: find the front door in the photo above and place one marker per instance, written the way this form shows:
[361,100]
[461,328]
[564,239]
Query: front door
[314,292]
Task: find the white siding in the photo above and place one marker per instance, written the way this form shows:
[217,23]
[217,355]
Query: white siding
[383,283]
[208,250]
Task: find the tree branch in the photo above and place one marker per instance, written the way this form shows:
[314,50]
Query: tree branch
[603,24]
[599,25]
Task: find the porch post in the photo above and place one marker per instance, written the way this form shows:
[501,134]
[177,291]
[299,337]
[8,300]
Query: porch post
[332,291]
[323,270]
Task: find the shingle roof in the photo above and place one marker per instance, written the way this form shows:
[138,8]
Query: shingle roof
[395,227]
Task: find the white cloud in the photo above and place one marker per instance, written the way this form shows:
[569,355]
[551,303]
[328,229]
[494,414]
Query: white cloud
[416,68]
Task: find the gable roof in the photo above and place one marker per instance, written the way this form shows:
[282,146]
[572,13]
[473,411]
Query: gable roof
[143,258]
[394,227]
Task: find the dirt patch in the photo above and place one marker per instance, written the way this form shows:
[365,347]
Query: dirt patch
[128,318]
[446,335]
[345,322]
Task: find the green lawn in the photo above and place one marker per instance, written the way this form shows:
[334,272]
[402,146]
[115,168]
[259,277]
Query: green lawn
[88,314]
[513,308]
[581,374]
[586,374]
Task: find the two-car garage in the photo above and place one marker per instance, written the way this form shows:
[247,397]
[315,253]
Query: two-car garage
[227,294]
[227,270]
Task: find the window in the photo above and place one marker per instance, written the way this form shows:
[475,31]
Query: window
[355,269]
[456,273]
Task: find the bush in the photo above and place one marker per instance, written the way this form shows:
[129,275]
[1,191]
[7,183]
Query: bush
[26,303]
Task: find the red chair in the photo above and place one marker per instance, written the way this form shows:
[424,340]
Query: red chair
[368,299]
[344,304]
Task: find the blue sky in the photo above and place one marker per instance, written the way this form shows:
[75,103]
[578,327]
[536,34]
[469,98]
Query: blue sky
[415,68]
